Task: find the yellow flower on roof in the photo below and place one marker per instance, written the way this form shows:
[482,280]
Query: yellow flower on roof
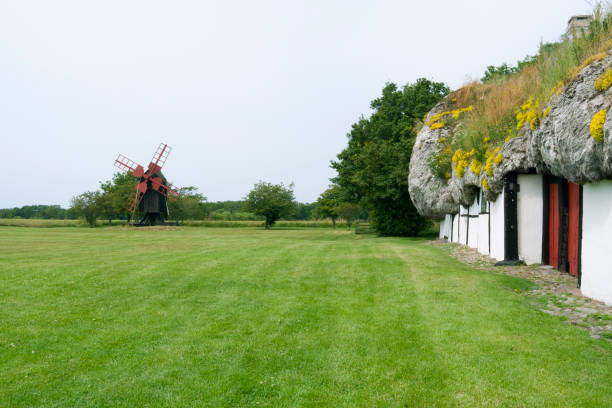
[476,166]
[498,159]
[435,118]
[490,155]
[604,81]
[597,124]
[461,162]
[485,184]
[528,113]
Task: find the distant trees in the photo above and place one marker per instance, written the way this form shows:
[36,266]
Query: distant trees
[349,212]
[373,168]
[230,210]
[88,206]
[328,203]
[36,211]
[271,201]
[305,211]
[189,205]
[236,211]
[114,196]
[333,204]
[493,73]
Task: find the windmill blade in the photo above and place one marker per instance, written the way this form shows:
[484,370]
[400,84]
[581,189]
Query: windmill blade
[135,203]
[156,183]
[153,169]
[138,172]
[125,164]
[159,158]
[168,189]
[128,203]
[160,187]
[142,187]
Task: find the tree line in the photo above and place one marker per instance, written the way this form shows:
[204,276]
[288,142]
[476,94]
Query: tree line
[111,200]
[45,212]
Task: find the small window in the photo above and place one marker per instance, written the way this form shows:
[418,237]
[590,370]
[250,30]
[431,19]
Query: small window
[484,204]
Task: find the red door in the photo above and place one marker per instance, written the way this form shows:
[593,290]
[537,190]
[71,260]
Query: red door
[573,198]
[553,225]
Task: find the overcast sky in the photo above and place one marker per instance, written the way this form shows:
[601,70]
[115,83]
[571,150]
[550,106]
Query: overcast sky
[242,90]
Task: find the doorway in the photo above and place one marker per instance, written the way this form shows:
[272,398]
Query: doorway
[561,245]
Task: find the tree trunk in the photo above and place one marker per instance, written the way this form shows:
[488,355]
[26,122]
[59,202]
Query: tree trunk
[334,222]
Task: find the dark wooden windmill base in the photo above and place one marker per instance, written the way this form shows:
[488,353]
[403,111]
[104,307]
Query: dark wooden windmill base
[153,219]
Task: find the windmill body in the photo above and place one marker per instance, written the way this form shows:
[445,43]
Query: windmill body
[152,189]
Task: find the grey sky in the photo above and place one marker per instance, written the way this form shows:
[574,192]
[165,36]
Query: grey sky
[242,90]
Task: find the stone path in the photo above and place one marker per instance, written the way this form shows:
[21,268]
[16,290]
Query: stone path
[559,290]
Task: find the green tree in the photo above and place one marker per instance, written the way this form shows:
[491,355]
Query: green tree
[189,205]
[271,201]
[328,201]
[493,73]
[117,194]
[54,212]
[87,205]
[349,212]
[305,211]
[106,208]
[373,168]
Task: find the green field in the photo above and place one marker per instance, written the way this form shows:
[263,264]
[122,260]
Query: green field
[244,317]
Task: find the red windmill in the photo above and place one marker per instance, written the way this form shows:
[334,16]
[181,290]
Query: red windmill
[152,190]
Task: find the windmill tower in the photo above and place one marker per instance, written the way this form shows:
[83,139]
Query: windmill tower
[152,191]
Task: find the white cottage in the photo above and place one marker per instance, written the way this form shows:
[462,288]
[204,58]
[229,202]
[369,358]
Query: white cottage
[548,200]
[543,220]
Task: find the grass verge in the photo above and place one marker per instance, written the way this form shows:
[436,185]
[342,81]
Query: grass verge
[245,317]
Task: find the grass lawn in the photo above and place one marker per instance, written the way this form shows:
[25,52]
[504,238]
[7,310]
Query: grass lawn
[246,317]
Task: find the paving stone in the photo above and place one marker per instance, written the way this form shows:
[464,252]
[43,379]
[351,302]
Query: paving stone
[587,310]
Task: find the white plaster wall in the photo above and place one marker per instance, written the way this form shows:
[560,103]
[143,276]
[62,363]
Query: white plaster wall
[496,210]
[445,227]
[475,207]
[462,225]
[530,218]
[473,235]
[455,228]
[597,241]
[483,234]
[442,228]
[449,225]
